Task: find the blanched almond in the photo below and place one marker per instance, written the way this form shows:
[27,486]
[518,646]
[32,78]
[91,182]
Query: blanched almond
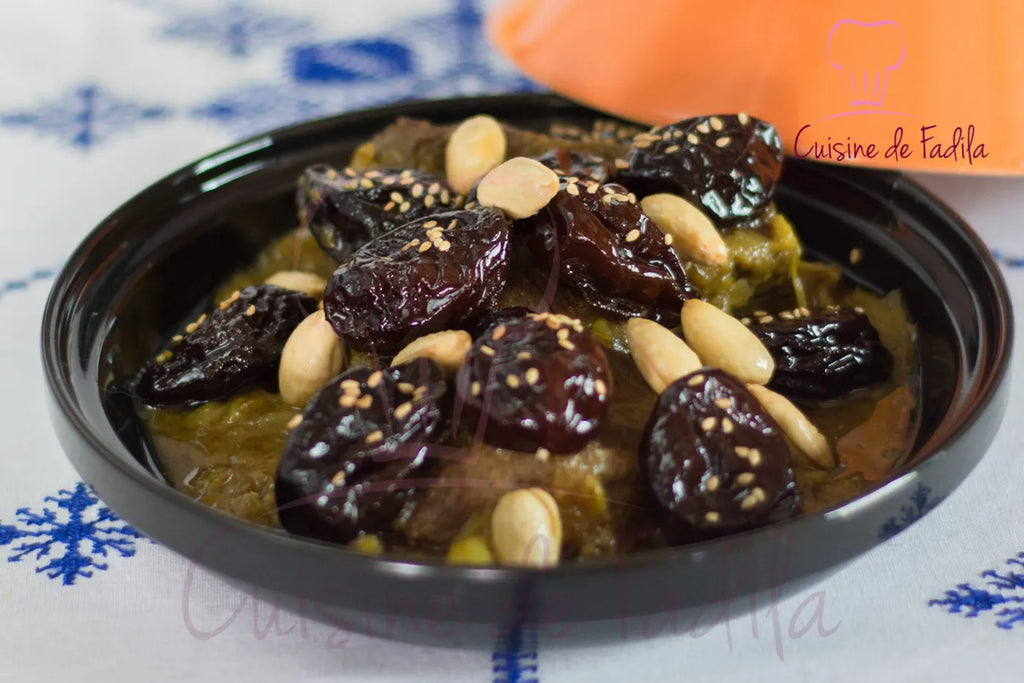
[520,186]
[694,236]
[476,146]
[447,348]
[722,341]
[659,354]
[312,355]
[526,529]
[300,281]
[801,431]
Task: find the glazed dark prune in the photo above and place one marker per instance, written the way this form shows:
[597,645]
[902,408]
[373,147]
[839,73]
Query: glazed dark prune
[727,164]
[346,464]
[538,381]
[345,210]
[580,164]
[426,276]
[235,347]
[822,356]
[715,460]
[610,252]
[488,319]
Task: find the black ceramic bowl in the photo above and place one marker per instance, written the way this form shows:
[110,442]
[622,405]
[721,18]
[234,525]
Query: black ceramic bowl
[162,253]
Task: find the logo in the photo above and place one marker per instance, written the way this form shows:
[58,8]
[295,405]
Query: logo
[866,54]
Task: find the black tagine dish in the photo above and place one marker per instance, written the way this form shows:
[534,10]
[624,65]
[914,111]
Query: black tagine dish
[519,363]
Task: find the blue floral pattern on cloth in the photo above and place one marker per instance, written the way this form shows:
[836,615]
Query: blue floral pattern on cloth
[515,656]
[83,116]
[69,536]
[236,29]
[921,503]
[1002,597]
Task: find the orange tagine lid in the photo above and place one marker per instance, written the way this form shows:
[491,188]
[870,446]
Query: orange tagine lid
[923,86]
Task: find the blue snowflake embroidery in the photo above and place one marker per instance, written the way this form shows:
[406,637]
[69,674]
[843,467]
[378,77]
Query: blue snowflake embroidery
[68,536]
[1004,590]
[237,29]
[515,657]
[921,503]
[84,116]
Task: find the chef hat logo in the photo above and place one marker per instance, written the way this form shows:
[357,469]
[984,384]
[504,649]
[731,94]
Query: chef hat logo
[865,53]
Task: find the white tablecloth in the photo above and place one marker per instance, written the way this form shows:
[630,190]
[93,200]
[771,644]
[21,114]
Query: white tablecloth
[98,98]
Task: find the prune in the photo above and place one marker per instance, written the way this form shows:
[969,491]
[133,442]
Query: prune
[235,347]
[822,356]
[348,209]
[538,381]
[347,464]
[610,252]
[715,460]
[425,276]
[489,318]
[580,164]
[728,164]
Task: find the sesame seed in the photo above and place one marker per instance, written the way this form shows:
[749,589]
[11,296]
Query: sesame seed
[745,321]
[191,327]
[454,223]
[498,333]
[347,401]
[389,180]
[294,422]
[366,183]
[607,199]
[405,174]
[631,197]
[512,381]
[716,123]
[552,323]
[759,493]
[417,190]
[563,333]
[765,319]
[406,387]
[633,235]
[608,189]
[668,239]
[600,387]
[486,350]
[364,401]
[445,196]
[572,189]
[642,144]
[428,201]
[566,344]
[745,478]
[403,410]
[418,392]
[408,246]
[696,380]
[435,233]
[405,207]
[434,188]
[349,172]
[164,357]
[723,403]
[199,321]
[722,141]
[712,483]
[727,425]
[396,197]
[704,128]
[749,502]
[858,309]
[786,315]
[692,138]
[443,245]
[743,119]
[708,423]
[712,517]
[742,451]
[177,338]
[758,314]
[373,380]
[474,389]
[373,174]
[425,246]
[389,206]
[430,224]
[524,355]
[671,148]
[374,436]
[338,479]
[592,187]
[251,309]
[755,457]
[543,454]
[621,163]
[803,311]
[532,375]
[350,385]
